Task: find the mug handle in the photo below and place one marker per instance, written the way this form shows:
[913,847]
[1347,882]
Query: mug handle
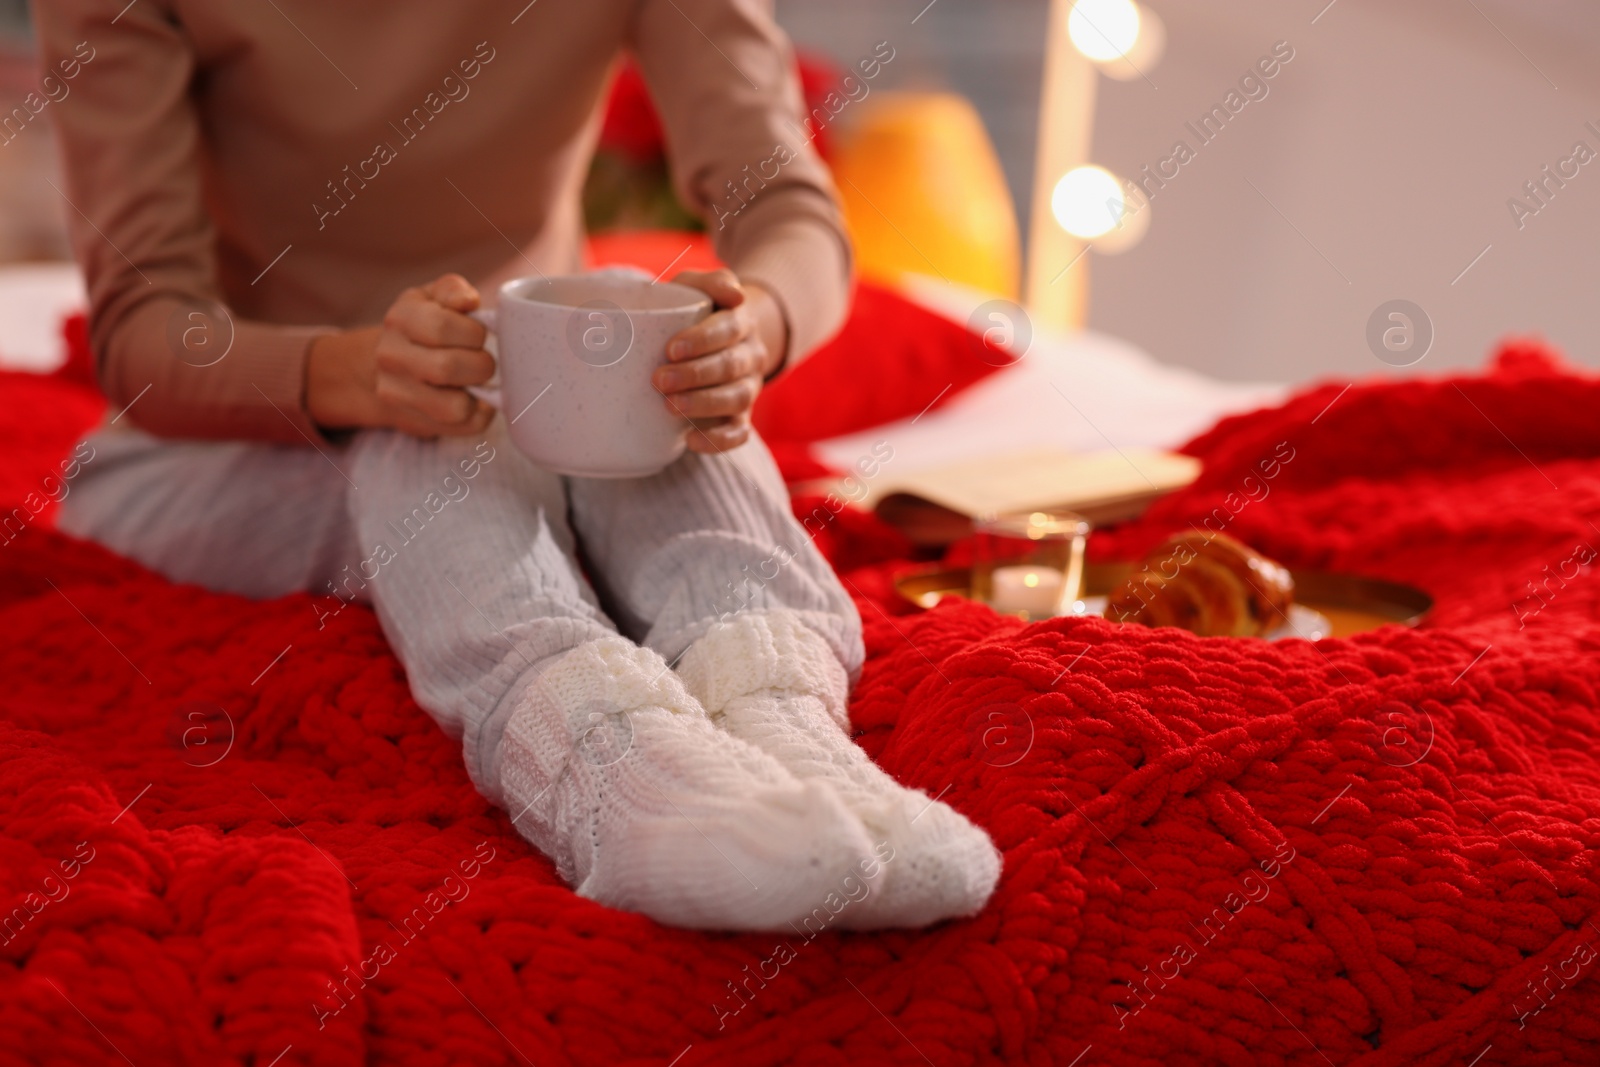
[489,394]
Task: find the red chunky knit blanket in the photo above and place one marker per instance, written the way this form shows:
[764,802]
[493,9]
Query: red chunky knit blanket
[229,838]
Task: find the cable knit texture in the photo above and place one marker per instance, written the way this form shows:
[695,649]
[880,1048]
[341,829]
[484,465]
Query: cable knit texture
[765,650]
[768,679]
[614,771]
[1365,852]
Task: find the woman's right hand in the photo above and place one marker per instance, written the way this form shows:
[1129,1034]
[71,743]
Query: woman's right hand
[410,373]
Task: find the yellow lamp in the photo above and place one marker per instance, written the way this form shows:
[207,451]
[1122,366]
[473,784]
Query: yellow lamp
[924,193]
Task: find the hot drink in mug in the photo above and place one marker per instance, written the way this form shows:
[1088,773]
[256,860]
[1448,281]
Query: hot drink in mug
[576,355]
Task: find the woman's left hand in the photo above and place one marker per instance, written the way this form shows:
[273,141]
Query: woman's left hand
[715,368]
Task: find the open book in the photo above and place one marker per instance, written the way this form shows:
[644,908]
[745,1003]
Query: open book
[936,505]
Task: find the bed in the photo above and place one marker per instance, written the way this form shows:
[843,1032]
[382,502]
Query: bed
[234,838]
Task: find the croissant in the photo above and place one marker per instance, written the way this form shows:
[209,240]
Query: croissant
[1209,584]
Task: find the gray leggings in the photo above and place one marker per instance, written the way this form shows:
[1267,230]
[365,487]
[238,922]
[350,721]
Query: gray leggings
[466,550]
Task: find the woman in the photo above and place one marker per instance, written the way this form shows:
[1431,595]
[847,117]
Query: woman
[285,211]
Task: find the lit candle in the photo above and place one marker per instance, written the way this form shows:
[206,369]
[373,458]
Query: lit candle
[1034,590]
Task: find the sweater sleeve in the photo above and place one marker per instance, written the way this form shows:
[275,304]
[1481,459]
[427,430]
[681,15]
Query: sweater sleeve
[723,77]
[130,142]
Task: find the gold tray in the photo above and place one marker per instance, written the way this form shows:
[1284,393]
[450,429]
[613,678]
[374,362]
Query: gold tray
[1352,604]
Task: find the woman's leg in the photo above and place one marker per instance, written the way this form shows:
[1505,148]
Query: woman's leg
[257,520]
[462,547]
[592,744]
[465,553]
[705,540]
[706,564]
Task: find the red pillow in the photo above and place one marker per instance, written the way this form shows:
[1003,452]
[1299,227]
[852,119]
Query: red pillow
[891,360]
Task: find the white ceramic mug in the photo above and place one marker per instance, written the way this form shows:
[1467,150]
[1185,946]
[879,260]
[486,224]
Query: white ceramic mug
[576,353]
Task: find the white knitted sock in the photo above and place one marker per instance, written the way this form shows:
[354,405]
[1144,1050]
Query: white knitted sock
[614,771]
[767,678]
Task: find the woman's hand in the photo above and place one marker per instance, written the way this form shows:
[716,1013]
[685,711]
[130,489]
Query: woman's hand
[410,373]
[715,368]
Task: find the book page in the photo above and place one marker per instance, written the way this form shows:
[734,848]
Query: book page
[1039,480]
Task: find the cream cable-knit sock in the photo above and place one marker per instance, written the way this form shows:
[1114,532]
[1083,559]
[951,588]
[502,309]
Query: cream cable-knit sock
[614,771]
[768,679]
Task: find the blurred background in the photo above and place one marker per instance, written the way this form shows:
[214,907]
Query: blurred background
[1377,164]
[1389,146]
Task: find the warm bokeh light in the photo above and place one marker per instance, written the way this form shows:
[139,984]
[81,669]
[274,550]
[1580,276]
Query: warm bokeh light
[1104,30]
[1088,202]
